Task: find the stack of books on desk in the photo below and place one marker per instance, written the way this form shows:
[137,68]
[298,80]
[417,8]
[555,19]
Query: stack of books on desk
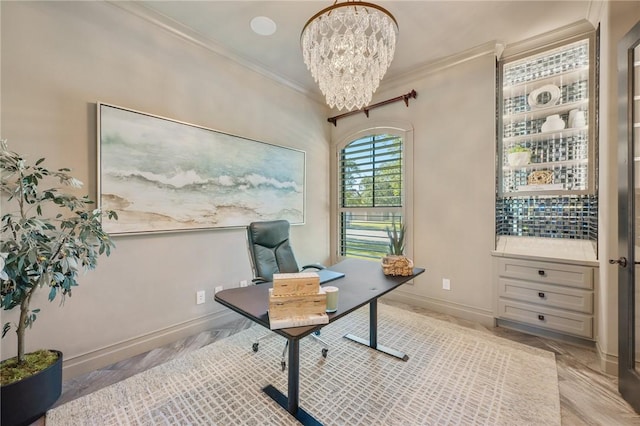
[296,300]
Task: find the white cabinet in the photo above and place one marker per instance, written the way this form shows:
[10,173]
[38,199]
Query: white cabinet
[546,108]
[554,296]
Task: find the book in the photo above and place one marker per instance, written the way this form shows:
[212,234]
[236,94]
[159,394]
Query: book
[296,283]
[293,305]
[298,321]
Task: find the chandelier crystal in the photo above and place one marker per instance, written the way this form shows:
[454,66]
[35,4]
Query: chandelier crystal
[348,48]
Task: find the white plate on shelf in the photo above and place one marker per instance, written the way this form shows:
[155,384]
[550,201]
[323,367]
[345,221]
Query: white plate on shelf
[554,93]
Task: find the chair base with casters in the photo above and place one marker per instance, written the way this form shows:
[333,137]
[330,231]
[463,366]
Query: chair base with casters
[283,363]
[270,252]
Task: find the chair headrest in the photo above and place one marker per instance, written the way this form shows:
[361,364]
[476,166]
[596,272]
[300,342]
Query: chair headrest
[269,233]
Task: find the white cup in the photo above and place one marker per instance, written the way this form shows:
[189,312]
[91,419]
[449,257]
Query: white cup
[332,298]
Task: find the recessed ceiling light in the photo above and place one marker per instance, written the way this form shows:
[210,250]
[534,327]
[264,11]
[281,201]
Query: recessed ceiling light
[263,25]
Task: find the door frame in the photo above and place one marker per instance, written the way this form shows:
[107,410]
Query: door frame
[628,377]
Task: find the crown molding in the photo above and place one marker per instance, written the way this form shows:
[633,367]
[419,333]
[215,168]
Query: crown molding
[490,48]
[568,31]
[181,31]
[595,12]
[497,48]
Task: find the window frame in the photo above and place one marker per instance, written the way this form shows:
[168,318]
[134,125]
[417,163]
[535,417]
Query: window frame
[403,131]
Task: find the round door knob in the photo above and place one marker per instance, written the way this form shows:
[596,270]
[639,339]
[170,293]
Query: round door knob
[541,317]
[541,272]
[541,295]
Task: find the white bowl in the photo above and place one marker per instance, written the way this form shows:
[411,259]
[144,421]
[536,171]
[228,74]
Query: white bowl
[519,159]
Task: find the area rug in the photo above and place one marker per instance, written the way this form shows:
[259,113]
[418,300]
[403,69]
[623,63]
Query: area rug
[454,376]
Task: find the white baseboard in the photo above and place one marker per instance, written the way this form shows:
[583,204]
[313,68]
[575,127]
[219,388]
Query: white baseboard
[608,362]
[470,313]
[90,361]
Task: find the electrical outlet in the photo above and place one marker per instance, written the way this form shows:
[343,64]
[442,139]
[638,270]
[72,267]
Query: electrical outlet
[217,289]
[243,283]
[200,297]
[446,284]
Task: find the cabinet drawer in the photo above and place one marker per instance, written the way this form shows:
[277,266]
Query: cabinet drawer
[549,318]
[547,295]
[547,272]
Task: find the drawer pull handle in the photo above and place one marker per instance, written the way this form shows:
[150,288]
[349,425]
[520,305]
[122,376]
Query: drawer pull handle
[541,317]
[541,272]
[541,295]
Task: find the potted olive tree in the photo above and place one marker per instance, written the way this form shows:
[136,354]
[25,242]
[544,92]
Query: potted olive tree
[396,263]
[47,238]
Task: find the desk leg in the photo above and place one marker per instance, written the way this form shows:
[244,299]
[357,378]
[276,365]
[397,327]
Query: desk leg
[291,402]
[373,335]
[293,391]
[373,324]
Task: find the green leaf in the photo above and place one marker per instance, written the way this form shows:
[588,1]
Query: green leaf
[7,301]
[49,238]
[6,328]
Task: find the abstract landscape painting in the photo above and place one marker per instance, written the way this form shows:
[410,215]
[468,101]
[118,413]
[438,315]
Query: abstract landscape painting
[162,175]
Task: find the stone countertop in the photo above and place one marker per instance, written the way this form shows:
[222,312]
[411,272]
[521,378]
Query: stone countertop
[579,252]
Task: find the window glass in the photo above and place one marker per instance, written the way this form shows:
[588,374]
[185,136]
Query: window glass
[371,194]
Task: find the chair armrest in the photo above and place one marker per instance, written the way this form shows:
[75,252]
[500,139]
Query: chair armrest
[314,266]
[259,280]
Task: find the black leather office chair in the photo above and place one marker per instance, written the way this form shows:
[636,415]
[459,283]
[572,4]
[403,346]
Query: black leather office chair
[270,253]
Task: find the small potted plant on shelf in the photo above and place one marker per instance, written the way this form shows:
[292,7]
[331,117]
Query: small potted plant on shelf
[519,156]
[48,237]
[396,263]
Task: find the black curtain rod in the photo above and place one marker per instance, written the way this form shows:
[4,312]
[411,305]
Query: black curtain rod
[412,94]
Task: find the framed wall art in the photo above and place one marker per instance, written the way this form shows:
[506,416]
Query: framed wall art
[162,175]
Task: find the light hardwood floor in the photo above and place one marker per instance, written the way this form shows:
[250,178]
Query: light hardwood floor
[587,396]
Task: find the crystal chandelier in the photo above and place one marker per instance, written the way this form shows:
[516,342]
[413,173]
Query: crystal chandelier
[348,48]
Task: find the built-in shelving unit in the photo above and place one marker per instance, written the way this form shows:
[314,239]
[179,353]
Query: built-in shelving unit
[546,107]
[554,82]
[546,195]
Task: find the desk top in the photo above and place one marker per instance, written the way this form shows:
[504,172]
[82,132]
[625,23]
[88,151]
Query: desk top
[363,282]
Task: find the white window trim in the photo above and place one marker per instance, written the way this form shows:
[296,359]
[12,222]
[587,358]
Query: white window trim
[403,130]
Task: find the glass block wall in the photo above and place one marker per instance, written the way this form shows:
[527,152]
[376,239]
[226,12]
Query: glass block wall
[559,61]
[573,217]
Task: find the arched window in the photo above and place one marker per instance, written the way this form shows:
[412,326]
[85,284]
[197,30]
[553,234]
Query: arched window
[372,193]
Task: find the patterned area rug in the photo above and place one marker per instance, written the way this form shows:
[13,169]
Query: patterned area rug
[454,376]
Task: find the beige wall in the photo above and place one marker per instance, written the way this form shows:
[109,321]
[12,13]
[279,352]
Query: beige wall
[58,60]
[453,120]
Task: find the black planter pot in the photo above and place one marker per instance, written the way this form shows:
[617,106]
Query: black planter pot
[24,402]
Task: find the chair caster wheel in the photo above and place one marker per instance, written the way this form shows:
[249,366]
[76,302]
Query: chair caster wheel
[324,352]
[283,365]
[255,347]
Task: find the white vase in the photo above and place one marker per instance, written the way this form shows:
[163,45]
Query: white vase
[553,123]
[576,118]
[519,159]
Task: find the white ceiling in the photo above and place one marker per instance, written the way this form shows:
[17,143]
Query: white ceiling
[429,30]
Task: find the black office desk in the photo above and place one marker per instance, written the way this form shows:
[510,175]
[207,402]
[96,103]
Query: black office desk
[363,283]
